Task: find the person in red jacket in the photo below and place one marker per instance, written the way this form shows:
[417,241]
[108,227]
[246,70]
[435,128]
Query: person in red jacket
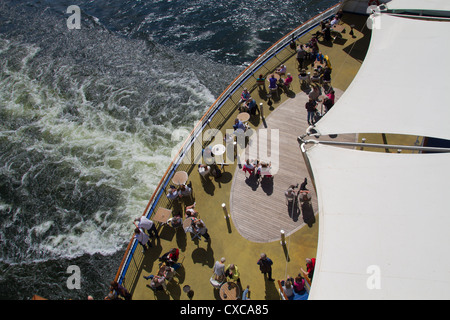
[171,257]
[310,265]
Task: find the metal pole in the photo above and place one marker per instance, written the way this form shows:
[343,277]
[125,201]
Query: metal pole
[376,145]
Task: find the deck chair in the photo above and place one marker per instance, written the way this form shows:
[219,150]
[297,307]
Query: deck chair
[195,234]
[192,231]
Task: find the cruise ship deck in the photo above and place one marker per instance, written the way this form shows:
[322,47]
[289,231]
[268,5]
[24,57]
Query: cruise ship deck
[255,212]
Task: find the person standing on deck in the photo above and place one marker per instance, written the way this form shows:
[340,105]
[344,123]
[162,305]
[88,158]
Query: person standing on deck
[202,230]
[301,53]
[310,107]
[148,225]
[265,265]
[143,239]
[119,290]
[310,266]
[219,270]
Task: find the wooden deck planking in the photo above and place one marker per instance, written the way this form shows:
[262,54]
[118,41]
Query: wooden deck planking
[259,211]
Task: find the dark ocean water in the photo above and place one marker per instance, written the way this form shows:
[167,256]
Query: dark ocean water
[89,119]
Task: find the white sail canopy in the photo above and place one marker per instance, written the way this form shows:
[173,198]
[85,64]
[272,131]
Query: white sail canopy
[384,219]
[441,5]
[402,85]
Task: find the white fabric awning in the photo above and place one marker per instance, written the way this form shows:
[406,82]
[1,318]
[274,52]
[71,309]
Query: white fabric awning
[384,217]
[383,214]
[440,5]
[402,86]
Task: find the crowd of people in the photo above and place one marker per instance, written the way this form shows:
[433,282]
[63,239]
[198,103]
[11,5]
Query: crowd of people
[169,261]
[318,80]
[297,285]
[321,92]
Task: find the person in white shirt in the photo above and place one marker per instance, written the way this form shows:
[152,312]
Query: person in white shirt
[281,70]
[147,224]
[202,230]
[334,21]
[142,238]
[219,270]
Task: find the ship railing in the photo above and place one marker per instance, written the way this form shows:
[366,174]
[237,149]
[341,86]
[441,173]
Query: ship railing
[216,117]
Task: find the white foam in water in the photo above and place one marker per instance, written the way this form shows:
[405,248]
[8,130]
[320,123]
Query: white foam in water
[42,228]
[94,145]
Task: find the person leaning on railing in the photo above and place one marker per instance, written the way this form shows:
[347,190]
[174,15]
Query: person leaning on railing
[119,291]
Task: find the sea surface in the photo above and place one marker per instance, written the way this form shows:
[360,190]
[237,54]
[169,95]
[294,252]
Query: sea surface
[89,119]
